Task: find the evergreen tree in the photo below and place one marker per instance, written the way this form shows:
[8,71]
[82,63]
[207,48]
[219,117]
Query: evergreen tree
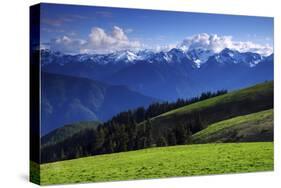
[148,133]
[139,114]
[141,139]
[132,133]
[188,134]
[109,145]
[171,138]
[198,123]
[122,138]
[99,140]
[180,133]
[161,141]
[62,154]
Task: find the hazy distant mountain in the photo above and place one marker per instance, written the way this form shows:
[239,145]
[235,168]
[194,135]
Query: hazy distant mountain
[232,70]
[68,99]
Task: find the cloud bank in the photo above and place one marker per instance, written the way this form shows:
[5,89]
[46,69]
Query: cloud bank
[100,41]
[217,43]
[66,44]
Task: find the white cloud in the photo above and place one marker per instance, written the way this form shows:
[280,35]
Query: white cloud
[217,43]
[164,48]
[98,42]
[66,44]
[252,47]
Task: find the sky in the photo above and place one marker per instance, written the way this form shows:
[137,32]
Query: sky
[88,29]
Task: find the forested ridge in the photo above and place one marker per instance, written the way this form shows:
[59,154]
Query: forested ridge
[122,132]
[161,124]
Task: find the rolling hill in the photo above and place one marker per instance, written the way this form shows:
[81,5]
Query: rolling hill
[253,127]
[236,103]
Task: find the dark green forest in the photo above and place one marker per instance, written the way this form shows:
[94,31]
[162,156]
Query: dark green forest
[123,132]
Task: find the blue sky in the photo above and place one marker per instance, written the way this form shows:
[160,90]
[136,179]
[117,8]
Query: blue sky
[150,27]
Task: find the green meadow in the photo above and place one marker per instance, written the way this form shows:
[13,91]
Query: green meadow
[252,127]
[185,160]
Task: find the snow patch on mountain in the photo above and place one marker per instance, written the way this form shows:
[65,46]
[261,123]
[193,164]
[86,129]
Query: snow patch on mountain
[232,56]
[194,57]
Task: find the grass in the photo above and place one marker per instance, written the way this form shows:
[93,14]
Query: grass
[250,93]
[256,126]
[186,160]
[236,103]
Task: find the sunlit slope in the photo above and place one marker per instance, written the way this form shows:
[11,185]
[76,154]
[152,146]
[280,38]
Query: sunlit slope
[253,127]
[236,103]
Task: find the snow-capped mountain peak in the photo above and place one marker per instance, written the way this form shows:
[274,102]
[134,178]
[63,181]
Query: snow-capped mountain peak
[200,56]
[229,56]
[127,56]
[194,57]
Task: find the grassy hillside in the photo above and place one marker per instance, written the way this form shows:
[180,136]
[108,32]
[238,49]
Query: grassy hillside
[251,93]
[253,127]
[60,134]
[236,103]
[162,162]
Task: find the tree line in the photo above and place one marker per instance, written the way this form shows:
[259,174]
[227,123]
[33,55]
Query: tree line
[130,130]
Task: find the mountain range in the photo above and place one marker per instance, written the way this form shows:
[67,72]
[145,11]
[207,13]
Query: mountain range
[165,75]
